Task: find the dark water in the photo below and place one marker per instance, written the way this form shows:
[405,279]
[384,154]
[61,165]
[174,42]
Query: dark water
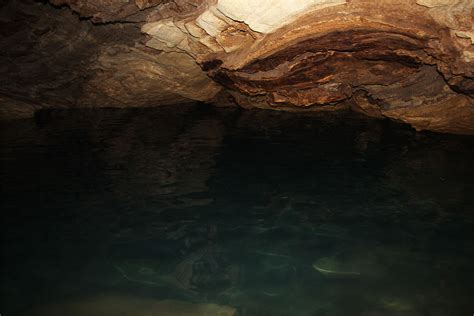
[269,213]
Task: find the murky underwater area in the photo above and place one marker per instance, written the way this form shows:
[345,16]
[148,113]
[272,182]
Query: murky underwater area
[196,211]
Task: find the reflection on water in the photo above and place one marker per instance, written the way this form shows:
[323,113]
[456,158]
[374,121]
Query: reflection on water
[192,211]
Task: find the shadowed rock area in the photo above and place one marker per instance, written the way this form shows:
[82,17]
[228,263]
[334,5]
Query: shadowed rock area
[410,61]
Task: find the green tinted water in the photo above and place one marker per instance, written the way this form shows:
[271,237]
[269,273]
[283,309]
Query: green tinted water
[268,213]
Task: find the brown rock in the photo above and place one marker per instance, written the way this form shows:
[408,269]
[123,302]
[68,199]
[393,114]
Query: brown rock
[410,60]
[11,109]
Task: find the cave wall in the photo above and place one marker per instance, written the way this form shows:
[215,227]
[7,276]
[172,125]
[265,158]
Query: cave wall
[410,60]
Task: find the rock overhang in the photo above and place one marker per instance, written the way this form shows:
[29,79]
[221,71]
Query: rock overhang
[406,60]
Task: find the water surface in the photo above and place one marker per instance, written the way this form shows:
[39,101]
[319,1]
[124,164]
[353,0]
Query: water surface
[266,212]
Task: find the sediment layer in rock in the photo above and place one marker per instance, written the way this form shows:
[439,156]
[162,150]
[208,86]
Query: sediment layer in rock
[411,61]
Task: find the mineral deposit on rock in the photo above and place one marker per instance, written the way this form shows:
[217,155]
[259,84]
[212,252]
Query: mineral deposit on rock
[410,60]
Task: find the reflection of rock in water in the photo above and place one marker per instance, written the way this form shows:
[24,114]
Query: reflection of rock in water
[113,305]
[163,170]
[157,160]
[429,172]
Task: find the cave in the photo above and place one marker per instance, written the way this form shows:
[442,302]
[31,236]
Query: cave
[237,157]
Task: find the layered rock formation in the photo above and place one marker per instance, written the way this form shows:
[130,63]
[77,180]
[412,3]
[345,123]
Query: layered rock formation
[409,60]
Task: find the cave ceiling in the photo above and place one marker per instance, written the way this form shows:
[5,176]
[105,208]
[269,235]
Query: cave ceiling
[410,61]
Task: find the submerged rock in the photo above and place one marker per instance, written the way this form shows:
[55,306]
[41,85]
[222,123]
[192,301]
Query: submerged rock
[111,304]
[203,270]
[331,267]
[348,266]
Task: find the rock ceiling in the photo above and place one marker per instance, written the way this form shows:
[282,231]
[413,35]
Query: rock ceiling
[408,60]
